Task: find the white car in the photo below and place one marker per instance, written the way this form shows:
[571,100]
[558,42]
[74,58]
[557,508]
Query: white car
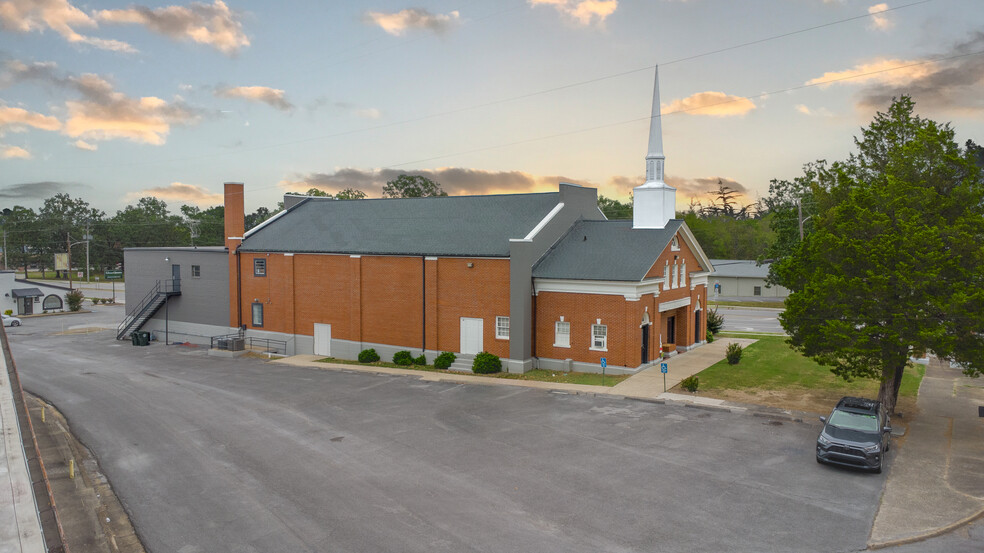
[11,321]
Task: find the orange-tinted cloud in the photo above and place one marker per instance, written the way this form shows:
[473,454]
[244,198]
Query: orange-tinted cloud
[583,12]
[412,18]
[61,16]
[714,104]
[179,192]
[214,25]
[83,145]
[18,119]
[886,71]
[13,152]
[879,19]
[270,96]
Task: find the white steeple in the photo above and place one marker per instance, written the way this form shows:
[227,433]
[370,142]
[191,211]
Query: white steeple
[654,203]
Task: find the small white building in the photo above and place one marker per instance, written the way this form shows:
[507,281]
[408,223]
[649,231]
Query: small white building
[26,297]
[742,278]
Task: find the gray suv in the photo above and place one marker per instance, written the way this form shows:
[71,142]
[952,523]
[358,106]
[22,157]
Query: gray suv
[856,435]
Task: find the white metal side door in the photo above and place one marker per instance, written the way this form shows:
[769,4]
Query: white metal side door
[471,335]
[322,339]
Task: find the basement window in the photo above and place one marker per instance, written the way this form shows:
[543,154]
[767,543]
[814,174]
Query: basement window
[259,267]
[502,328]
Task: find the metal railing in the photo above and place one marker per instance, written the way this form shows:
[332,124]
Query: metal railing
[167,287]
[240,342]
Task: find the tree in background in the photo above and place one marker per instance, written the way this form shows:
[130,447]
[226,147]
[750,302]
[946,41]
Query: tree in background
[614,209]
[206,227]
[63,218]
[412,186]
[352,194]
[895,262]
[19,227]
[791,207]
[147,224]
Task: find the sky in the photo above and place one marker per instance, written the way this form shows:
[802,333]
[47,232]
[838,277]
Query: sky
[113,101]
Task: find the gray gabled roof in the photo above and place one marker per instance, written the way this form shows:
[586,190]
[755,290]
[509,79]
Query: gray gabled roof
[605,250]
[479,226]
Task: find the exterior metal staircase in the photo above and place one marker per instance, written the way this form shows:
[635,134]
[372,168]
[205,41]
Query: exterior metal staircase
[148,306]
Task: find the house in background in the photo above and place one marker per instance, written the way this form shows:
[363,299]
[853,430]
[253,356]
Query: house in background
[743,279]
[27,297]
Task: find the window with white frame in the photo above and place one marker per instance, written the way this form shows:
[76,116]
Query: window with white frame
[562,334]
[683,274]
[196,271]
[675,244]
[502,328]
[258,314]
[676,275]
[666,275]
[599,337]
[259,267]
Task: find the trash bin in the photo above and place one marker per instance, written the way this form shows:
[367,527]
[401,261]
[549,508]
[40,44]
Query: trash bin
[134,339]
[144,338]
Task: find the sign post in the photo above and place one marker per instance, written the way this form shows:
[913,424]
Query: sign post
[114,276]
[604,363]
[663,368]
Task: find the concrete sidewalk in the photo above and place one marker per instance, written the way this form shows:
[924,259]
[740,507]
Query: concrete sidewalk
[649,383]
[936,484]
[20,527]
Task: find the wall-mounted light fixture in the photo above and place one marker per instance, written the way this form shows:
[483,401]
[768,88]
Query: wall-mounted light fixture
[166,259]
[470,265]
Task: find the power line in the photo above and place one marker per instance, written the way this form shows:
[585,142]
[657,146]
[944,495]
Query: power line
[526,95]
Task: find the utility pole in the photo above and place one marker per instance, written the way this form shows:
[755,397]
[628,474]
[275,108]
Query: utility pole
[799,208]
[4,249]
[68,248]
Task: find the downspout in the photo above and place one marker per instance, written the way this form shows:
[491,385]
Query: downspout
[423,305]
[533,324]
[239,292]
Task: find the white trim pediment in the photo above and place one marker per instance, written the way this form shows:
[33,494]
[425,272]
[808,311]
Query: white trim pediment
[632,291]
[674,304]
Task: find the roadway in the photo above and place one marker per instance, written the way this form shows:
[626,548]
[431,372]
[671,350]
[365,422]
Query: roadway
[214,454]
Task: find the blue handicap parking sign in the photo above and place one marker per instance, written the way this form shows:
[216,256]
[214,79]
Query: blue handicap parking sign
[604,362]
[663,368]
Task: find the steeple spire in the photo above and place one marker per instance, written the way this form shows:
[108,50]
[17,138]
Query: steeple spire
[654,202]
[655,158]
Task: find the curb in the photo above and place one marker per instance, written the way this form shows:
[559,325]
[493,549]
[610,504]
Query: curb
[927,535]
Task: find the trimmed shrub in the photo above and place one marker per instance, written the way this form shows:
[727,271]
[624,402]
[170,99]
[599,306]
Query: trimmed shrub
[444,360]
[368,356]
[690,383]
[74,300]
[733,353]
[714,321]
[9,312]
[486,363]
[422,360]
[403,358]
[710,336]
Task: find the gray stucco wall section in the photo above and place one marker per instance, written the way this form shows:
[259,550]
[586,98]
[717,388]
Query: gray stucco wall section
[579,203]
[203,301]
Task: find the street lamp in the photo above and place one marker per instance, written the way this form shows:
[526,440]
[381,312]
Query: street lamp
[85,240]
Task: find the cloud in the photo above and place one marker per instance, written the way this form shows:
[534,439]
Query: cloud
[950,84]
[83,145]
[32,190]
[214,25]
[879,20]
[61,16]
[715,104]
[412,18]
[456,181]
[888,71]
[583,12]
[271,96]
[13,152]
[179,192]
[803,109]
[369,113]
[102,113]
[18,119]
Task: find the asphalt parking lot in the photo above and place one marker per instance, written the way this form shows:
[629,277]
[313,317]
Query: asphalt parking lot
[212,454]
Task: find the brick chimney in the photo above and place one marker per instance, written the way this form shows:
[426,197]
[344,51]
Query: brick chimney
[235,227]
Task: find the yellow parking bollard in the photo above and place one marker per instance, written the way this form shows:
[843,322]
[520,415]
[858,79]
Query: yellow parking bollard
[71,469]
[42,413]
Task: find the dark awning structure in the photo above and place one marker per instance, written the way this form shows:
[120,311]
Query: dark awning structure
[26,292]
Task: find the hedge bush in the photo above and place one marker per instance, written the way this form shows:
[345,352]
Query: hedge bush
[422,360]
[710,336]
[715,322]
[486,363]
[690,383]
[74,300]
[444,360]
[403,358]
[733,353]
[368,356]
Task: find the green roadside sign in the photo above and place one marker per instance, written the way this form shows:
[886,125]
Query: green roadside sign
[114,275]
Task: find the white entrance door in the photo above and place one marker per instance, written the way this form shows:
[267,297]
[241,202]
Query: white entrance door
[471,335]
[322,339]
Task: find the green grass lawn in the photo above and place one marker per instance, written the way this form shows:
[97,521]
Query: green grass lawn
[539,375]
[771,370]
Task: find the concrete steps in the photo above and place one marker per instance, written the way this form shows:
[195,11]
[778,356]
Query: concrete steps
[462,363]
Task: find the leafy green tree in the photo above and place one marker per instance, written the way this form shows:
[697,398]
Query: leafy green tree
[895,262]
[261,214]
[412,186]
[614,209]
[208,224]
[62,218]
[351,194]
[20,226]
[147,224]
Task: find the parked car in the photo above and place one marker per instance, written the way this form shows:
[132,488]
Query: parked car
[856,434]
[11,321]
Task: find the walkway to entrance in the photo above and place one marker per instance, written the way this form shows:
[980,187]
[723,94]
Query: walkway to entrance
[649,382]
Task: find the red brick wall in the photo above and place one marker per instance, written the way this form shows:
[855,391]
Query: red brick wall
[481,291]
[582,311]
